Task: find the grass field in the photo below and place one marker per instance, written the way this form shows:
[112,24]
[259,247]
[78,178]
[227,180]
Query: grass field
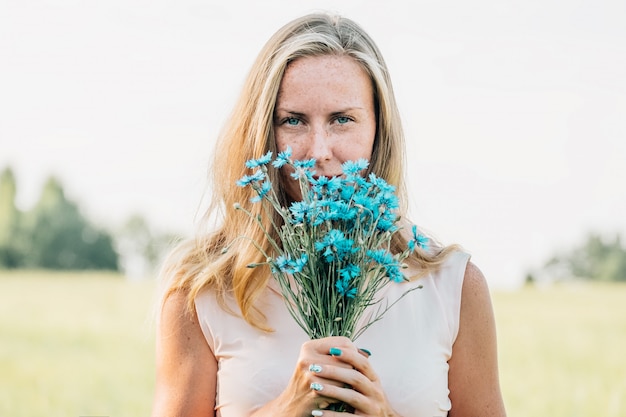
[73,345]
[562,350]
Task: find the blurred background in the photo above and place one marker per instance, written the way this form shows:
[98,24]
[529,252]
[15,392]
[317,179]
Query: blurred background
[515,115]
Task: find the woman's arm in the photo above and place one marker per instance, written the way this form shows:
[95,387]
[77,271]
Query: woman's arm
[473,375]
[186,370]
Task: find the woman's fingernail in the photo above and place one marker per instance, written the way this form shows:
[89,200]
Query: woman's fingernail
[316,386]
[315,368]
[334,351]
[367,352]
[317,413]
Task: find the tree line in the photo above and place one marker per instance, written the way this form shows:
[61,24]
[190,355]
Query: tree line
[54,234]
[598,258]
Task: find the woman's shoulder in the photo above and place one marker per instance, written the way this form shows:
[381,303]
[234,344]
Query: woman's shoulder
[475,294]
[473,279]
[473,374]
[183,359]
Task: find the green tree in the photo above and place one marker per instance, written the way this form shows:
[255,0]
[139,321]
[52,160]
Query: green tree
[10,254]
[596,259]
[141,249]
[61,238]
[599,260]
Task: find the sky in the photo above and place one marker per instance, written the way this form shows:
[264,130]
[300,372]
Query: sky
[514,112]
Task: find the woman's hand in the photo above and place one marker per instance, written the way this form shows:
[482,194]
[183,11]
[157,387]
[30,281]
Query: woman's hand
[331,370]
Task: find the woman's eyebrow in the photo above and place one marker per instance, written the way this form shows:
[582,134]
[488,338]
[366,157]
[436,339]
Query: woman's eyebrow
[347,110]
[295,113]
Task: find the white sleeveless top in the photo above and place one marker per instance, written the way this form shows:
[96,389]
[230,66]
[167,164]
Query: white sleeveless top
[410,346]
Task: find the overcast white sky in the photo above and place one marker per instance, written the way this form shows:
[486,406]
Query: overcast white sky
[515,111]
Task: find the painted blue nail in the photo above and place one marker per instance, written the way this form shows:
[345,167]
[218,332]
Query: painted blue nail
[316,386]
[334,351]
[315,368]
[367,352]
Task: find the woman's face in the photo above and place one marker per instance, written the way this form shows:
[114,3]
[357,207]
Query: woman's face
[324,110]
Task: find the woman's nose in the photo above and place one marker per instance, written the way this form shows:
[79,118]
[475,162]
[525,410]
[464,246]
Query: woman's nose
[320,144]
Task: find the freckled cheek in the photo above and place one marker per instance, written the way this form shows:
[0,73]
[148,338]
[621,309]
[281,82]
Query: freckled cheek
[353,150]
[298,146]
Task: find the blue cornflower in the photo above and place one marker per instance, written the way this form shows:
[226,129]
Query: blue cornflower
[343,288]
[304,163]
[287,265]
[386,223]
[419,240]
[345,211]
[300,211]
[381,184]
[303,169]
[282,262]
[350,271]
[347,191]
[262,190]
[354,167]
[345,248]
[249,179]
[362,186]
[325,185]
[334,245]
[339,210]
[324,210]
[386,260]
[264,160]
[367,202]
[282,158]
[302,173]
[363,183]
[394,274]
[381,256]
[300,263]
[389,200]
[331,237]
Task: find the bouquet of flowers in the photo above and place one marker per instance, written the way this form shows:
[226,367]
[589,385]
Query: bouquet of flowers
[334,253]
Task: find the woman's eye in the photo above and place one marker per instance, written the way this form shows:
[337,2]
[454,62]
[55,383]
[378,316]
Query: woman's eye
[292,121]
[342,120]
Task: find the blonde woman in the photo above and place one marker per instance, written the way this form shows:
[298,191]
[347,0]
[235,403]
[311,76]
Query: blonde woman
[226,345]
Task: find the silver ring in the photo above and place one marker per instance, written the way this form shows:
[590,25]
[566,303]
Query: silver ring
[317,413]
[316,386]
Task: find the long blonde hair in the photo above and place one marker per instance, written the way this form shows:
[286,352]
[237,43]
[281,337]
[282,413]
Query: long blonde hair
[202,262]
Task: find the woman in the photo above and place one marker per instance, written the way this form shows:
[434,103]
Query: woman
[226,345]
